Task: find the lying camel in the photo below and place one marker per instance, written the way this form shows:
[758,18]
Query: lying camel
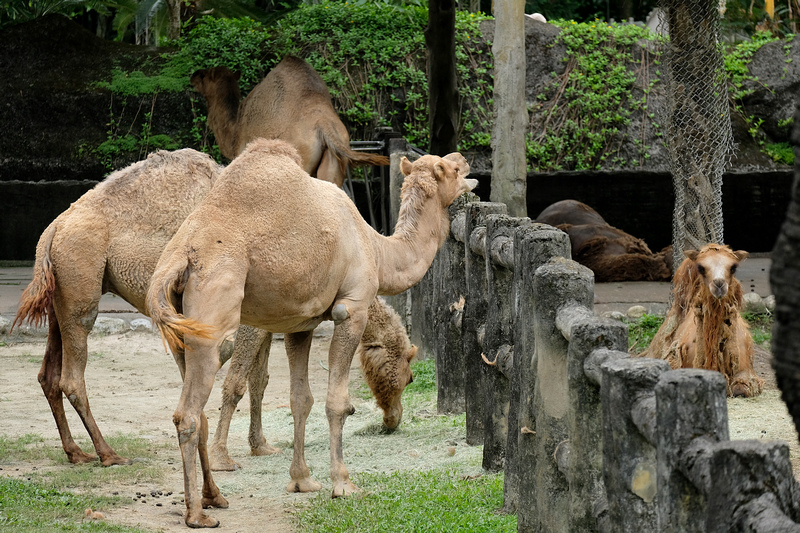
[703,327]
[109,240]
[323,262]
[291,103]
[609,252]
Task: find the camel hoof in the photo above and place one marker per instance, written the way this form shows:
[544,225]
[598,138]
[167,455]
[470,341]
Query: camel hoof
[303,485]
[202,521]
[344,488]
[741,391]
[218,502]
[222,462]
[80,457]
[115,459]
[265,449]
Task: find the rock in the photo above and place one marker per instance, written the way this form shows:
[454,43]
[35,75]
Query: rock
[769,302]
[5,325]
[108,326]
[636,311]
[141,324]
[616,315]
[753,303]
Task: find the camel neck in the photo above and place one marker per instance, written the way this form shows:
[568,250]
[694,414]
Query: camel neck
[223,115]
[408,253]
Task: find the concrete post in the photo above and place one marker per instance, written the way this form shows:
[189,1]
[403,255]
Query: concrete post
[534,245]
[498,341]
[475,314]
[691,407]
[449,292]
[629,458]
[557,284]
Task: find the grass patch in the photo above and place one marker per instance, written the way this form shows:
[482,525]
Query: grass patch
[439,500]
[642,331]
[36,507]
[760,327]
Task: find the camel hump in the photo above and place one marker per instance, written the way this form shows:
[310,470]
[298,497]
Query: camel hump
[37,298]
[274,147]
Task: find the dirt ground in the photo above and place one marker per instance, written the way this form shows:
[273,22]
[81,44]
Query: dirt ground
[134,386]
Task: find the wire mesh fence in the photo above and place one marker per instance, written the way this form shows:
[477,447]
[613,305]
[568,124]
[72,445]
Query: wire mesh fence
[697,121]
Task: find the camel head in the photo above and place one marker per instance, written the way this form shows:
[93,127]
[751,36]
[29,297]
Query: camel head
[442,176]
[716,264]
[217,81]
[387,373]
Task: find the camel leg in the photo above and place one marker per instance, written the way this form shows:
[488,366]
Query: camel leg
[76,320]
[199,364]
[330,169]
[346,336]
[301,400]
[49,378]
[233,389]
[257,382]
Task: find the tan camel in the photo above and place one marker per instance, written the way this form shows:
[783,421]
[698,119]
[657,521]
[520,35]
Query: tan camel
[291,103]
[110,240]
[385,355]
[703,327]
[310,257]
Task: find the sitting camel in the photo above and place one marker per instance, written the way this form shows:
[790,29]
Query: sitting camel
[703,327]
[110,240]
[609,252]
[291,103]
[310,257]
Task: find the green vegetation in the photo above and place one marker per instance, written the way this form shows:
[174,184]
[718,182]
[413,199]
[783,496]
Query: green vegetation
[439,500]
[642,331]
[55,499]
[760,327]
[582,118]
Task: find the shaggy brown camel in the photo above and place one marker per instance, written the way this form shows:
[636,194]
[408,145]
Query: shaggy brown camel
[310,257]
[109,240]
[291,103]
[703,327]
[384,353]
[609,252]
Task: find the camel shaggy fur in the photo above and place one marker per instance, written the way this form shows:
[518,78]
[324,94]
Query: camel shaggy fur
[110,240]
[609,252]
[291,103]
[703,327]
[309,257]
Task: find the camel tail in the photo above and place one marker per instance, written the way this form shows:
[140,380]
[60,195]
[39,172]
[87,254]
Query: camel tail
[37,298]
[166,287]
[349,157]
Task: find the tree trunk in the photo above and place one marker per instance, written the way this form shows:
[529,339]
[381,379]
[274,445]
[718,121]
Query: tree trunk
[509,176]
[440,40]
[785,281]
[174,9]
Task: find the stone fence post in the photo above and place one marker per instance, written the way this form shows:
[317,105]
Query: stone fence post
[474,318]
[534,245]
[498,344]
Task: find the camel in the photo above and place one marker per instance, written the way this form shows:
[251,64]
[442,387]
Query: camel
[110,240]
[291,103]
[309,257]
[609,252]
[703,327]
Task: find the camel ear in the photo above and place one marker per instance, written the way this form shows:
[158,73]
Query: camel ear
[405,166]
[439,170]
[412,353]
[237,75]
[741,255]
[691,254]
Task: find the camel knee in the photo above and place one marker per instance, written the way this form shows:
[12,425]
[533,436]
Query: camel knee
[302,403]
[187,426]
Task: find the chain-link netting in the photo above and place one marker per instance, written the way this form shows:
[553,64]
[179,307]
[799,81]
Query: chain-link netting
[697,121]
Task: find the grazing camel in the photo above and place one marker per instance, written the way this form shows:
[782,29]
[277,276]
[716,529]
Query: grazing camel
[609,252]
[110,240]
[703,327]
[291,103]
[309,257]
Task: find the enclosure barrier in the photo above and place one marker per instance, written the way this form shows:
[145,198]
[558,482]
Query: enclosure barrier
[589,438]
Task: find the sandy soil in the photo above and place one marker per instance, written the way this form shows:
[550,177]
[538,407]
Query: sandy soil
[134,386]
